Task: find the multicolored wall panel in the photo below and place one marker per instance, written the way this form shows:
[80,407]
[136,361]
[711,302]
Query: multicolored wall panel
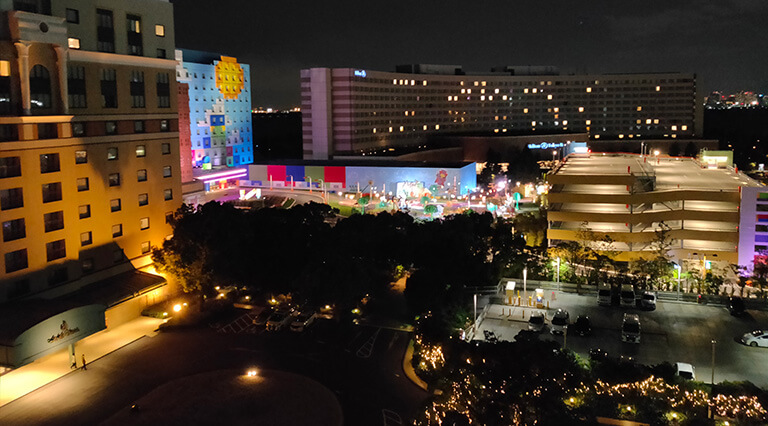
[347,177]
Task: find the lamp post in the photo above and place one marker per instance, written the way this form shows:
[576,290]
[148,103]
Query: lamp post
[714,343]
[474,322]
[679,275]
[553,155]
[291,176]
[525,283]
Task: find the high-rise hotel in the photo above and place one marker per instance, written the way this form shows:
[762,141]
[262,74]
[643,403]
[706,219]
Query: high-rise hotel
[89,158]
[349,111]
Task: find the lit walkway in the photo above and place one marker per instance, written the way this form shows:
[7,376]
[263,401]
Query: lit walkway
[23,380]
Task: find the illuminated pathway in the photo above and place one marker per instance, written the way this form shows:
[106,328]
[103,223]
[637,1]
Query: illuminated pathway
[23,380]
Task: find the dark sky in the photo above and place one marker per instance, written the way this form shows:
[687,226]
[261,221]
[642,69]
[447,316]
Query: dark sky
[724,41]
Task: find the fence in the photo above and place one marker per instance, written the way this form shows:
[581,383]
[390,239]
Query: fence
[669,296]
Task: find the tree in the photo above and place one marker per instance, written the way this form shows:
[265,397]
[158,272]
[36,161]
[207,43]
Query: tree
[691,150]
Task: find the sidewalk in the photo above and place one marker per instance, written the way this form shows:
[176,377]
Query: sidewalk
[39,373]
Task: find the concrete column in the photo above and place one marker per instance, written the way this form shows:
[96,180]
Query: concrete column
[62,53]
[22,49]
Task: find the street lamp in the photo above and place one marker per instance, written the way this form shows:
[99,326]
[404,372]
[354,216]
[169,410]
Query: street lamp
[679,275]
[714,343]
[525,283]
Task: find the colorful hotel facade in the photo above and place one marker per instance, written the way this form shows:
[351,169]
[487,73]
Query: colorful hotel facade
[352,112]
[219,114]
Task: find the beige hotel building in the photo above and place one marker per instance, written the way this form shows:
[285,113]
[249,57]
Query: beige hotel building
[351,112]
[89,150]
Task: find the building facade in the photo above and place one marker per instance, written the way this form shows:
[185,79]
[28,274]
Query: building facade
[349,111]
[89,158]
[219,111]
[626,197]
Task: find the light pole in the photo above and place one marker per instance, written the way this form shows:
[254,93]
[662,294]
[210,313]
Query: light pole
[322,186]
[558,273]
[714,343]
[679,275]
[525,283]
[475,317]
[553,155]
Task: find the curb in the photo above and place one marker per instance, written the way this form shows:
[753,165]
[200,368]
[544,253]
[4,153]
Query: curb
[408,368]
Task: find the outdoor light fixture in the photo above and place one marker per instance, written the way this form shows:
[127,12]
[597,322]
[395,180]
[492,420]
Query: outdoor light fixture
[252,372]
[177,307]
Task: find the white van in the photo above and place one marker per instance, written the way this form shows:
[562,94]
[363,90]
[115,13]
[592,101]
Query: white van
[630,328]
[627,296]
[604,295]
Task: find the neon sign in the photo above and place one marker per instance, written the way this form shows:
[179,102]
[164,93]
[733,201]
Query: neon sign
[545,145]
[360,73]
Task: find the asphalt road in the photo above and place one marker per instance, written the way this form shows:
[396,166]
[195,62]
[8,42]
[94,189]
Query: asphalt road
[674,332]
[362,365]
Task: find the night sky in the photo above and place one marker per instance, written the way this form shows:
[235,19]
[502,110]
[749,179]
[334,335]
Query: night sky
[724,41]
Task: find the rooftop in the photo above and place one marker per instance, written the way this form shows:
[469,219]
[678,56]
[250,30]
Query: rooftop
[670,172]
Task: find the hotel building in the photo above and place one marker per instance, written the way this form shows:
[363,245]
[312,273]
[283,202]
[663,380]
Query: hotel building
[89,158]
[627,196]
[351,112]
[218,114]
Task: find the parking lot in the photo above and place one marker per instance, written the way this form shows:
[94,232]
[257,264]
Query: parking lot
[674,332]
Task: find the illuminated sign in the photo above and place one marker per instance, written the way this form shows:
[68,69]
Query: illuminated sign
[545,145]
[360,73]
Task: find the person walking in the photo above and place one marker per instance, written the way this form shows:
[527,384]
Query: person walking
[84,364]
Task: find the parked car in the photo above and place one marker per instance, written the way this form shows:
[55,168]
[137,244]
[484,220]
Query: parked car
[630,328]
[685,370]
[278,320]
[302,321]
[536,321]
[582,326]
[604,295]
[755,338]
[627,296]
[262,317]
[647,301]
[736,306]
[560,322]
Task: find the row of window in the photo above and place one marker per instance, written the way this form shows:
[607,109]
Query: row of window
[13,198]
[105,31]
[18,260]
[77,88]
[50,163]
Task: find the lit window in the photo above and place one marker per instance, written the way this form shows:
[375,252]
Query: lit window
[450,98]
[390,130]
[549,97]
[424,83]
[374,130]
[490,98]
[160,30]
[482,98]
[674,128]
[565,122]
[525,90]
[655,121]
[463,91]
[482,91]
[394,81]
[504,97]
[483,83]
[5,68]
[535,90]
[621,136]
[589,90]
[476,83]
[144,223]
[469,91]
[425,127]
[437,127]
[639,108]
[525,110]
[73,43]
[648,121]
[496,91]
[533,123]
[401,128]
[413,83]
[684,128]
[658,88]
[588,122]
[581,109]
